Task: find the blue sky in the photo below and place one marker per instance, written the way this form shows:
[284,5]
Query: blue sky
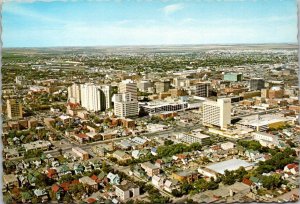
[142,22]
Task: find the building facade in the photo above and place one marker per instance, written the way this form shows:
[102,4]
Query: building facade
[217,113]
[14,109]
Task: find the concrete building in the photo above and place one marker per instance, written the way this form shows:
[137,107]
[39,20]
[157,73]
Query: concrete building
[162,86]
[234,77]
[128,86]
[217,113]
[95,97]
[150,169]
[194,137]
[257,84]
[74,93]
[163,106]
[125,105]
[80,153]
[14,109]
[144,85]
[127,190]
[265,139]
[37,145]
[202,89]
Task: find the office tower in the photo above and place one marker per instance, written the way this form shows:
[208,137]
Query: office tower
[257,84]
[95,97]
[128,86]
[234,77]
[124,105]
[217,113]
[202,89]
[74,94]
[162,86]
[14,109]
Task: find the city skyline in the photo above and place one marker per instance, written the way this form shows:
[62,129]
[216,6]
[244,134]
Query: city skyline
[119,23]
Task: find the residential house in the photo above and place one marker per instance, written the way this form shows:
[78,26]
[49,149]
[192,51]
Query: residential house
[113,178]
[90,183]
[170,185]
[10,181]
[42,195]
[121,155]
[157,181]
[292,168]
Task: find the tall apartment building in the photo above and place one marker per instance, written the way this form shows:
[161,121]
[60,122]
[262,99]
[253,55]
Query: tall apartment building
[162,86]
[257,84]
[128,86]
[14,109]
[74,93]
[95,97]
[125,106]
[202,89]
[217,113]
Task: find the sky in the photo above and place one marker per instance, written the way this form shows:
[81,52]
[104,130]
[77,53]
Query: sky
[49,23]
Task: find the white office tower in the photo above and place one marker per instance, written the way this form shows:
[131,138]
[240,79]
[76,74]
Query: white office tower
[74,93]
[125,106]
[217,113]
[95,97]
[128,86]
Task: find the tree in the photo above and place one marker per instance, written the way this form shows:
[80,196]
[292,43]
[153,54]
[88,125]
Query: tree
[186,188]
[196,146]
[168,142]
[228,177]
[176,193]
[271,182]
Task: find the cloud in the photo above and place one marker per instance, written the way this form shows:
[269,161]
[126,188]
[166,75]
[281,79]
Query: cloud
[172,8]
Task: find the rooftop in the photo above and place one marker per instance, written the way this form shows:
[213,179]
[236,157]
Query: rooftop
[230,165]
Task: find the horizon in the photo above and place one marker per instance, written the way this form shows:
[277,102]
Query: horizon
[134,23]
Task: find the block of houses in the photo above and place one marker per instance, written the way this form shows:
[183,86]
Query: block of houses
[150,169]
[127,191]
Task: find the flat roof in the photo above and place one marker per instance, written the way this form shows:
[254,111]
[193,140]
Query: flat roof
[230,165]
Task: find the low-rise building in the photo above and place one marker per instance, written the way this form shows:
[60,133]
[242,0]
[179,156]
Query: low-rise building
[127,190]
[150,169]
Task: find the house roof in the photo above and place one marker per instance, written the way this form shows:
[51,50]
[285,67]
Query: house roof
[91,200]
[247,182]
[55,188]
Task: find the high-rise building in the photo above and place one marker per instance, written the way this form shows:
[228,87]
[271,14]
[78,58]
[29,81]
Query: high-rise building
[234,77]
[128,86]
[217,113]
[257,84]
[202,89]
[74,93]
[162,86]
[14,109]
[125,106]
[95,97]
